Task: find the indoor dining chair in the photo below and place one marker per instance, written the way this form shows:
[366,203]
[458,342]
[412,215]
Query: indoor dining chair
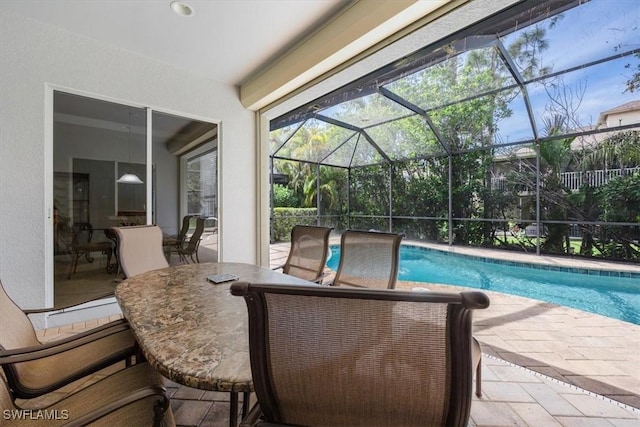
[134,396]
[83,244]
[33,368]
[140,249]
[326,356]
[308,253]
[368,259]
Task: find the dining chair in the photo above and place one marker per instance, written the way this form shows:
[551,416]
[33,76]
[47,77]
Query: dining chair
[178,239]
[476,353]
[82,243]
[134,396]
[308,253]
[189,249]
[368,259]
[140,249]
[359,357]
[33,368]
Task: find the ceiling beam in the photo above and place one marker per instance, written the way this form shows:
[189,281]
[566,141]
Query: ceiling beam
[358,27]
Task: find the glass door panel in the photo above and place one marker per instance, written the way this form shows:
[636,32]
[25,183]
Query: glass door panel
[100,180]
[95,142]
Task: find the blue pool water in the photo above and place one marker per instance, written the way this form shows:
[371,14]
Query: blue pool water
[604,293]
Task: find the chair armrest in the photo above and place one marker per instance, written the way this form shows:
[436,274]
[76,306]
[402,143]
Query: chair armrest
[26,354]
[320,278]
[48,310]
[160,407]
[251,419]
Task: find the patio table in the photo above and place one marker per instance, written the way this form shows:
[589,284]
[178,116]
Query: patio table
[192,331]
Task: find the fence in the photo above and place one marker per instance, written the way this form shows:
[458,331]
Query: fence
[574,180]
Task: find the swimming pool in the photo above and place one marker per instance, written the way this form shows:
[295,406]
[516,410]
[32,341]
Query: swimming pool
[611,294]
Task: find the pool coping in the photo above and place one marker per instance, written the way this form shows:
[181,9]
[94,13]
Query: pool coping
[602,271]
[545,262]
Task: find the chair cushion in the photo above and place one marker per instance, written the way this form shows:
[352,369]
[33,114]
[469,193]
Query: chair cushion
[105,391]
[38,374]
[17,330]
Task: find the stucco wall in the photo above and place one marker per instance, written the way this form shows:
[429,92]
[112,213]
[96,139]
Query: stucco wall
[33,55]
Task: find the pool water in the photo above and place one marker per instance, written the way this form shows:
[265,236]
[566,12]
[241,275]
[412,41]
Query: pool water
[601,293]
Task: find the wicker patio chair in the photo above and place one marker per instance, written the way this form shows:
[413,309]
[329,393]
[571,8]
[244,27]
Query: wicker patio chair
[368,259]
[140,249]
[33,368]
[131,397]
[189,249]
[325,356]
[308,253]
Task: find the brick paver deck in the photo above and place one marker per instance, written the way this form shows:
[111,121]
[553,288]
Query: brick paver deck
[543,365]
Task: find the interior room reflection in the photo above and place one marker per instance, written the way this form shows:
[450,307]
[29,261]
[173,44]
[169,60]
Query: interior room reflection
[95,143]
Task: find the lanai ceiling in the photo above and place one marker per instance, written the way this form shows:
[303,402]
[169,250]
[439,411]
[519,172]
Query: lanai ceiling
[224,40]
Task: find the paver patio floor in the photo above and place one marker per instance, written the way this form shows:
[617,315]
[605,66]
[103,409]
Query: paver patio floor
[543,365]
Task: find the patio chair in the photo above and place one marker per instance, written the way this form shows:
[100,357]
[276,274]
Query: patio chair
[190,248]
[476,353]
[308,253]
[359,357]
[82,244]
[33,368]
[368,259]
[131,397]
[140,249]
[178,239]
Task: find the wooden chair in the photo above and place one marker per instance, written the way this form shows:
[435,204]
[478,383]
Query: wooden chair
[33,368]
[359,357]
[82,244]
[368,259]
[308,253]
[131,397]
[189,249]
[140,249]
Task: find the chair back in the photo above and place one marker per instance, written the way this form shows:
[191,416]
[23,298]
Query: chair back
[360,357]
[16,330]
[82,233]
[368,259]
[186,221]
[140,249]
[6,402]
[308,253]
[194,240]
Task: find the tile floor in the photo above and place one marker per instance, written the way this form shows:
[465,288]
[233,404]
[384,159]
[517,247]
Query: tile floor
[543,365]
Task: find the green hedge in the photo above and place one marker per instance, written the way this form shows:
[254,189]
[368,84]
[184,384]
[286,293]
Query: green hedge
[285,218]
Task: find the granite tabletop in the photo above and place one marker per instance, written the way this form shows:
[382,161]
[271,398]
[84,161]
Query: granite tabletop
[190,330]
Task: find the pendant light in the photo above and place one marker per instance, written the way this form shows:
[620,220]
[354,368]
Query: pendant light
[128,177]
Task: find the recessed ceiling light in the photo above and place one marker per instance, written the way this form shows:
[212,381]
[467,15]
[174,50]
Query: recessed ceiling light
[181,8]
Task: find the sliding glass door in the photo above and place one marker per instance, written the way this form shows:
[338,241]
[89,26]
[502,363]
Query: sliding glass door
[114,165]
